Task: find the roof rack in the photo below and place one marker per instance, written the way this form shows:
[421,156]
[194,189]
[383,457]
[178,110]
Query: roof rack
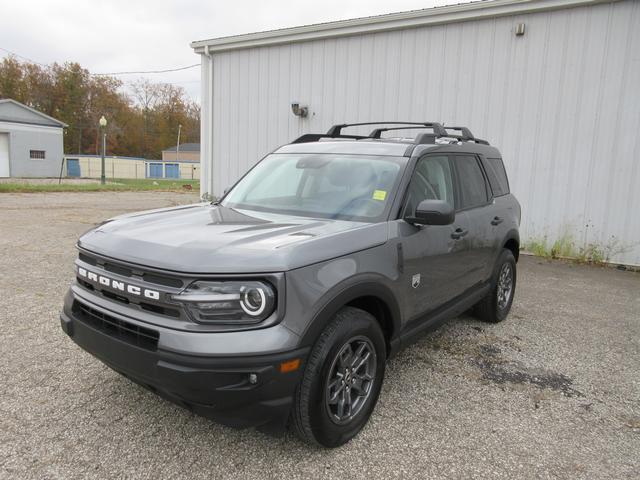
[425,138]
[465,135]
[376,133]
[337,129]
[465,132]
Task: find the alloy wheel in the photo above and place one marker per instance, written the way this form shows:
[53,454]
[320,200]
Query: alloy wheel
[350,379]
[505,286]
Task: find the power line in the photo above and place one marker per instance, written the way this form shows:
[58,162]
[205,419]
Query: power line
[177,69]
[150,71]
[24,58]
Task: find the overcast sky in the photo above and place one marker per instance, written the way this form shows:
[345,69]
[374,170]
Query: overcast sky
[125,35]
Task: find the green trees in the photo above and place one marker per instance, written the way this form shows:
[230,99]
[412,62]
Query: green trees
[141,123]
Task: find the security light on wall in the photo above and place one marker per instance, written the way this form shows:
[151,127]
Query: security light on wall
[299,111]
[519,29]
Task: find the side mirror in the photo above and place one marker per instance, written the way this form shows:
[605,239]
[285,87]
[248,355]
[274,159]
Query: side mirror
[433,212]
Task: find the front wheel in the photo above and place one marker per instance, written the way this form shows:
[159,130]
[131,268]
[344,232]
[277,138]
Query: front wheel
[495,306]
[342,380]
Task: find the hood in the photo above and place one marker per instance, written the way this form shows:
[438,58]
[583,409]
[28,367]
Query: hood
[213,239]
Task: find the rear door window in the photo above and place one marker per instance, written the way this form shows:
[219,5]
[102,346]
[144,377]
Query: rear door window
[497,176]
[473,187]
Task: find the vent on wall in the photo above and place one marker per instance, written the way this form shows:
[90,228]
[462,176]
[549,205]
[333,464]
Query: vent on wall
[36,154]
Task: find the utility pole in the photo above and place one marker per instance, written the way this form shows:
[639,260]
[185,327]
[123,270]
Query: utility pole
[178,144]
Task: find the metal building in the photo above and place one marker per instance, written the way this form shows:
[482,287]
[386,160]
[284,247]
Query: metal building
[555,84]
[187,152]
[31,142]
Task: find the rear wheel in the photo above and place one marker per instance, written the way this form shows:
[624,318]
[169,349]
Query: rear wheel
[495,306]
[342,380]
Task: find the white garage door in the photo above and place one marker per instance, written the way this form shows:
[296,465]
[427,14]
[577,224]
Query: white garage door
[4,154]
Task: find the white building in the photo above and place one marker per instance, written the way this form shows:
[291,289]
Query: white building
[31,142]
[555,84]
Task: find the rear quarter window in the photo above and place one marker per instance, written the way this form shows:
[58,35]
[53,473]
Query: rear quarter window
[473,186]
[497,176]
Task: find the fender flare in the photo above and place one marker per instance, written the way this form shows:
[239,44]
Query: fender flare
[342,294]
[512,234]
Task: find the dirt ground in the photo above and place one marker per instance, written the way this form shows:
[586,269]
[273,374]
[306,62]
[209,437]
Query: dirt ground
[552,392]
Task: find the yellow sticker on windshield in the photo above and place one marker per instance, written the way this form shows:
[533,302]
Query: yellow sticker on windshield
[379,195]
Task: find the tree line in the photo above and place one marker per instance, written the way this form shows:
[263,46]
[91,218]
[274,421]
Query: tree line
[142,120]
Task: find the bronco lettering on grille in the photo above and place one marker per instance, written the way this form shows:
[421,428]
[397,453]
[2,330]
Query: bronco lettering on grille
[116,285]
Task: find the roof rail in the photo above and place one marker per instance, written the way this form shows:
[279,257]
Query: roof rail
[314,137]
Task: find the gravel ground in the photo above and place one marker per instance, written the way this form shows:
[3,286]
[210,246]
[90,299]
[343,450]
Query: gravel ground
[553,392]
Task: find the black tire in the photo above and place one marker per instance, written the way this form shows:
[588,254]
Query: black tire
[312,418]
[492,309]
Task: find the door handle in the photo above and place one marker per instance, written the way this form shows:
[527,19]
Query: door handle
[497,221]
[459,233]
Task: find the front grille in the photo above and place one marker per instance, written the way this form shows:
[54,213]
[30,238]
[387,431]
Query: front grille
[158,309]
[122,330]
[162,306]
[128,271]
[87,259]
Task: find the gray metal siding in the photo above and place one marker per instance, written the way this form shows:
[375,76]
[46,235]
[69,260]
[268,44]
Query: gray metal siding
[16,112]
[561,102]
[22,139]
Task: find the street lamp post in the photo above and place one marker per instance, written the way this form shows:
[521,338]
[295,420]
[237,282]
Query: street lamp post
[103,138]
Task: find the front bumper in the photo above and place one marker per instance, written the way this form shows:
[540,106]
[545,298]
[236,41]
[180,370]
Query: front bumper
[211,385]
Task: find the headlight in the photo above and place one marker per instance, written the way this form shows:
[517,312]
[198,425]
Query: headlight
[232,302]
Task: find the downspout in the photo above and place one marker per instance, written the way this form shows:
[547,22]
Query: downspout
[206,127]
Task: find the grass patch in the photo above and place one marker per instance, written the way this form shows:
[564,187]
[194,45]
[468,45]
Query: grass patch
[114,185]
[596,254]
[565,248]
[537,247]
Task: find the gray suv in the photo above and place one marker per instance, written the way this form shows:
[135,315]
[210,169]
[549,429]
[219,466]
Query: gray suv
[281,303]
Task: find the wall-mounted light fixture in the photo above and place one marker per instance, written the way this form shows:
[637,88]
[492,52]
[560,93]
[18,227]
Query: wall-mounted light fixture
[299,111]
[519,29]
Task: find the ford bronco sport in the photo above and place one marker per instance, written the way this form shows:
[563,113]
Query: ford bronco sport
[280,303]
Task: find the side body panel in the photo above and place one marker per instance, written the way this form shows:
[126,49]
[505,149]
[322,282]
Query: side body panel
[506,208]
[435,264]
[317,291]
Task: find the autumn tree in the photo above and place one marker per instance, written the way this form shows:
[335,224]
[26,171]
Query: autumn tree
[141,123]
[163,107]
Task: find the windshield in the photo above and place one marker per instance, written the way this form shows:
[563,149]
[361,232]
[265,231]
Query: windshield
[346,187]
